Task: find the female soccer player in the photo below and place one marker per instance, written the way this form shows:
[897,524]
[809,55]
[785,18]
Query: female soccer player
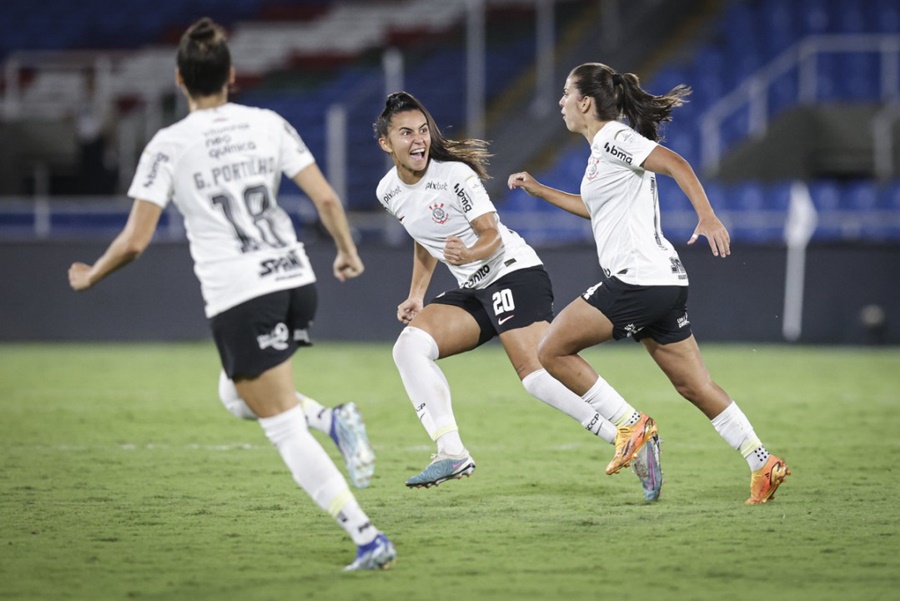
[221,165]
[435,191]
[643,292]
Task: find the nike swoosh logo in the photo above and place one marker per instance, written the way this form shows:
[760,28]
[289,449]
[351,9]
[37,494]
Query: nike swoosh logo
[500,322]
[402,218]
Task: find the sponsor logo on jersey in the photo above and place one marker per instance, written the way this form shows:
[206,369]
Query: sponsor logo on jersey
[618,153]
[284,264]
[438,214]
[477,276]
[158,160]
[390,194]
[436,185]
[276,339]
[219,151]
[464,198]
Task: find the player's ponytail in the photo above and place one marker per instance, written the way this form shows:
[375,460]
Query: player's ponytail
[619,95]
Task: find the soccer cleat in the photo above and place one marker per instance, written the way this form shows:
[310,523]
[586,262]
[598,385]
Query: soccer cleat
[348,431]
[646,465]
[629,440]
[377,555]
[443,467]
[764,482]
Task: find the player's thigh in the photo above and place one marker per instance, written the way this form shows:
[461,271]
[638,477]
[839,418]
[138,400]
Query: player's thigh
[269,393]
[577,327]
[453,328]
[521,346]
[680,361]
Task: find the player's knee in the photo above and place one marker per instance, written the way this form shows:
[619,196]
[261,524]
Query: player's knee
[414,342]
[547,355]
[228,394]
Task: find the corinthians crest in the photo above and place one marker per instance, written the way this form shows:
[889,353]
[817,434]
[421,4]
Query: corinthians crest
[438,214]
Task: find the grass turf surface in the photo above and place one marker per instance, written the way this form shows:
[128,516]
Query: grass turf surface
[121,477]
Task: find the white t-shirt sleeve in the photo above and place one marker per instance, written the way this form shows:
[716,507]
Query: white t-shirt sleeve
[473,199]
[154,177]
[628,147]
[295,156]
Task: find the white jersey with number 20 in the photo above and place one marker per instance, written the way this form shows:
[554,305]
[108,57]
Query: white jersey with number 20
[222,167]
[442,204]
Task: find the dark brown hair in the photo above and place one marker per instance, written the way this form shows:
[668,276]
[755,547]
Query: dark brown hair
[619,95]
[471,151]
[204,60]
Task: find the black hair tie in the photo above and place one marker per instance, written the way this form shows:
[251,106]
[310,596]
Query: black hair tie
[617,79]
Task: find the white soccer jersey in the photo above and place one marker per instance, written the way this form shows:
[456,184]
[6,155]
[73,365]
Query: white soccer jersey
[222,168]
[442,204]
[623,202]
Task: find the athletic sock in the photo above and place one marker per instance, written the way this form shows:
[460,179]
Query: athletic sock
[415,354]
[315,473]
[318,416]
[735,428]
[548,389]
[610,404]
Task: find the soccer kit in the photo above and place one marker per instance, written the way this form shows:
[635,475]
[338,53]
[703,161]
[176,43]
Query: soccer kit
[443,203]
[644,292]
[222,167]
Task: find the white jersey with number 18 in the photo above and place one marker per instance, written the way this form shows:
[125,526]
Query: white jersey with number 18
[222,167]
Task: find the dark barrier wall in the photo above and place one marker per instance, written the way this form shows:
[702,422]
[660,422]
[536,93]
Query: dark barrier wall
[158,298]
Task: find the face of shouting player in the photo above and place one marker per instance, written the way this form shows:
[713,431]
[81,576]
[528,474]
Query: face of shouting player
[408,142]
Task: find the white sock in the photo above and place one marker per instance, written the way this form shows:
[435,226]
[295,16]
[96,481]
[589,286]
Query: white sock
[315,473]
[548,389]
[318,416]
[229,396]
[735,428]
[610,404]
[415,354]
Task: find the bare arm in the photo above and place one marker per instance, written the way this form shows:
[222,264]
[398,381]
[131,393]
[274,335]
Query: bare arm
[666,162]
[423,269]
[564,200]
[457,253]
[347,263]
[134,238]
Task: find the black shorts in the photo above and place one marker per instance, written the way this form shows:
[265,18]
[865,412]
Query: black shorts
[516,300]
[264,332]
[657,312]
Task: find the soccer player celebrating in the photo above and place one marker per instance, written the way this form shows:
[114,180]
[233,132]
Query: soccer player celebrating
[221,165]
[435,191]
[644,289]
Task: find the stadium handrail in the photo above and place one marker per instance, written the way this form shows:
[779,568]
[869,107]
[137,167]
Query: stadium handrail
[752,92]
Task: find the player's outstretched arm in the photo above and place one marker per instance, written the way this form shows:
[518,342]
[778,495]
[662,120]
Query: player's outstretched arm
[564,200]
[347,263]
[133,240]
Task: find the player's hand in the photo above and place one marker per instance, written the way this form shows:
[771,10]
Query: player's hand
[80,276]
[347,266]
[456,252]
[408,309]
[523,180]
[716,235]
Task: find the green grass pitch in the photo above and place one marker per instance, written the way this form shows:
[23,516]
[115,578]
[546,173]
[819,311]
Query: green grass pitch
[121,477]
